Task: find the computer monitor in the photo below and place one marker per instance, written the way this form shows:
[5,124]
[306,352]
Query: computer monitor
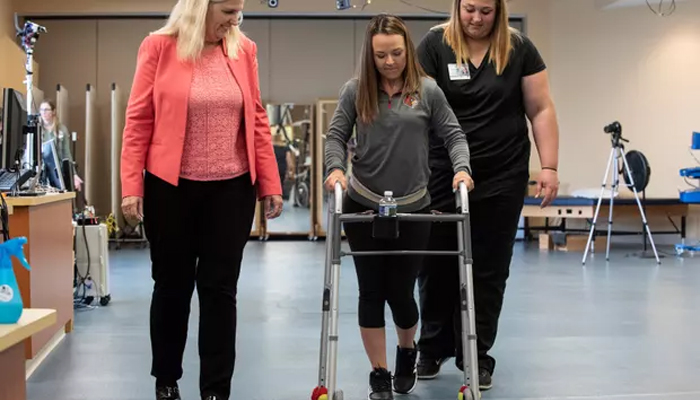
[52,172]
[68,171]
[14,119]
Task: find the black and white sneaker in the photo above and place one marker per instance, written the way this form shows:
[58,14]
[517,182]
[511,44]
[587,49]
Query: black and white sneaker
[428,368]
[406,375]
[167,392]
[485,382]
[380,385]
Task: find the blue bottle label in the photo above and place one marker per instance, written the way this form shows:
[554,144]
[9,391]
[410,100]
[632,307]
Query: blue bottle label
[387,210]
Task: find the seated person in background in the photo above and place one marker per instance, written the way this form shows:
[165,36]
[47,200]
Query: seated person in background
[395,109]
[54,130]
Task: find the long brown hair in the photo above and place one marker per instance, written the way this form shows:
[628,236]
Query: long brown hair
[56,122]
[501,43]
[367,101]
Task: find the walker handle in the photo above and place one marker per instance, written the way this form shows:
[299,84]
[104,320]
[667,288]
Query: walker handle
[463,198]
[338,198]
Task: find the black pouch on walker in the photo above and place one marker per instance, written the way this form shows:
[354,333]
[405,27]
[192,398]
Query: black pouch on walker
[385,227]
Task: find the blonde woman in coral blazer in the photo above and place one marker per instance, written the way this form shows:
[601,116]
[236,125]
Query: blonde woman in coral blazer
[196,125]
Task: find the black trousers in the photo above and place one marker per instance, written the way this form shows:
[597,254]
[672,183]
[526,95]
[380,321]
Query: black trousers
[197,232]
[494,224]
[386,279]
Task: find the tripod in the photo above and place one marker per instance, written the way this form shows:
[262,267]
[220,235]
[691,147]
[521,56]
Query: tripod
[645,253]
[617,152]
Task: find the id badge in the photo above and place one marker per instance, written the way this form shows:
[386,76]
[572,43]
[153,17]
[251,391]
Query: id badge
[459,73]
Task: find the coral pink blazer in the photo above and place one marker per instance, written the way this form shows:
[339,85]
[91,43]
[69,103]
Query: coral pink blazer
[156,117]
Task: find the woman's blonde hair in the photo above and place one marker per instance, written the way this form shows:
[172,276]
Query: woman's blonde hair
[501,42]
[187,22]
[367,100]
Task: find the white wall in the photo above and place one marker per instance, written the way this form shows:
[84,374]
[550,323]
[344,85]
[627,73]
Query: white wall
[629,65]
[623,64]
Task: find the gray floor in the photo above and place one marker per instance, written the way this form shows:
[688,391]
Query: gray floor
[627,329]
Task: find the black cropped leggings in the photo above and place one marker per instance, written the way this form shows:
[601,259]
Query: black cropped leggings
[388,278]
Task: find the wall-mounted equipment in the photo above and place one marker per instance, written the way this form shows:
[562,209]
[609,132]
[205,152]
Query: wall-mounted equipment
[347,4]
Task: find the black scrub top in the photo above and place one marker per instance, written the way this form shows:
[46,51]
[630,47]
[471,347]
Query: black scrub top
[491,111]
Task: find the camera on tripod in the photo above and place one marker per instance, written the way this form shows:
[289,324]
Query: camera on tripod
[613,128]
[620,162]
[615,131]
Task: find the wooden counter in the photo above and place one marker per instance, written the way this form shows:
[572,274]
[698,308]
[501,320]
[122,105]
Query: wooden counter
[46,221]
[37,200]
[13,383]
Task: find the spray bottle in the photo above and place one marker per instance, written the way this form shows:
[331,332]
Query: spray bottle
[11,305]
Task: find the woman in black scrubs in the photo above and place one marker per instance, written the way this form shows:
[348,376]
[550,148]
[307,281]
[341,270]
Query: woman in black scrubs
[495,80]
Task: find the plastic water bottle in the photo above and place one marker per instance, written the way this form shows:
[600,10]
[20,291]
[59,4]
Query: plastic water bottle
[387,205]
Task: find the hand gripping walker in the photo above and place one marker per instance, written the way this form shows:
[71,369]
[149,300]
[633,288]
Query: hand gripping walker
[329,324]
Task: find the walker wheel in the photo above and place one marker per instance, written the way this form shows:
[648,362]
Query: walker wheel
[466,394]
[319,393]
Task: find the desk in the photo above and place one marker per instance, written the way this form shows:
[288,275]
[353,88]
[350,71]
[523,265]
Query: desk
[46,221]
[566,207]
[13,382]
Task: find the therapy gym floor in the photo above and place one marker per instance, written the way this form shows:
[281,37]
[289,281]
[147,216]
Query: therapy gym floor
[628,329]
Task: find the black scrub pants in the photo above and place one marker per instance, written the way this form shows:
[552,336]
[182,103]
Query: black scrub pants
[197,232]
[494,224]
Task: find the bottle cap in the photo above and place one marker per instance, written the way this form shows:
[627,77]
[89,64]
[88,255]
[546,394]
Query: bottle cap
[388,193]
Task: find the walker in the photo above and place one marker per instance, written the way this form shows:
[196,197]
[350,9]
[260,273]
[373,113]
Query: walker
[327,386]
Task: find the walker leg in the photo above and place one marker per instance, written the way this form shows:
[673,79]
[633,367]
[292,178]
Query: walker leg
[329,324]
[321,392]
[335,289]
[470,389]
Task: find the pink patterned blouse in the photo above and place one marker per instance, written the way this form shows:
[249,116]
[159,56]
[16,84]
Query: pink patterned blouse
[215,146]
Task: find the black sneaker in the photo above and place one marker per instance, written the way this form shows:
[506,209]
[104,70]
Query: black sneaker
[167,393]
[485,379]
[406,375]
[380,385]
[428,368]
